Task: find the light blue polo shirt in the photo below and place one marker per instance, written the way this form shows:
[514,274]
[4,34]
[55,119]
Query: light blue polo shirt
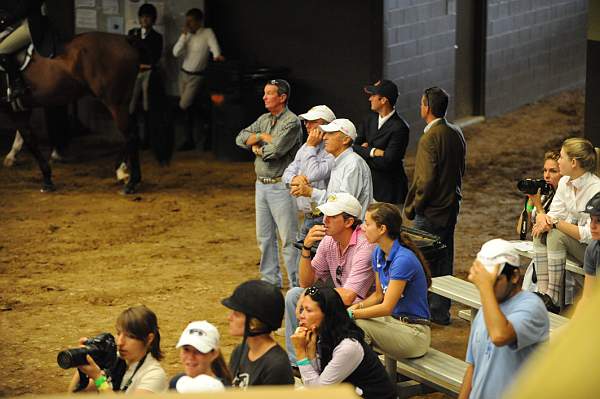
[496,366]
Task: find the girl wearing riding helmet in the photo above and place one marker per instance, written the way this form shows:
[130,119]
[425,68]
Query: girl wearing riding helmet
[205,368]
[256,311]
[331,349]
[565,229]
[541,203]
[395,318]
[138,369]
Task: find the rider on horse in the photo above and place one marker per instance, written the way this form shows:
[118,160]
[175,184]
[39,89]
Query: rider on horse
[20,22]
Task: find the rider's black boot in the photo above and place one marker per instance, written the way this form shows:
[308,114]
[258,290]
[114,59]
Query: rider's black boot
[16,83]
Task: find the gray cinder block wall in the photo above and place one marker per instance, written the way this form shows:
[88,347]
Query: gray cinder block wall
[534,48]
[418,41]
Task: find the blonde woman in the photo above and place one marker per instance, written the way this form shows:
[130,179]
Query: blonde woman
[565,229]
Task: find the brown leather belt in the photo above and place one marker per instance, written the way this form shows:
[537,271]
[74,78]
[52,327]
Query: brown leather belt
[412,320]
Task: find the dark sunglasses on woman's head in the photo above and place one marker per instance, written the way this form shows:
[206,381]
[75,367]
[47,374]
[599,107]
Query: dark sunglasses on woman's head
[312,291]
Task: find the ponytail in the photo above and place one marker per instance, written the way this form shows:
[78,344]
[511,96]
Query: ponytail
[406,241]
[390,216]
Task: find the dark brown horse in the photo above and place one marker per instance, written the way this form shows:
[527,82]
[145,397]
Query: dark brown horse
[100,64]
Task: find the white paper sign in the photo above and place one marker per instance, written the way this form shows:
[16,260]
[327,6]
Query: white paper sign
[85,3]
[114,24]
[110,6]
[87,19]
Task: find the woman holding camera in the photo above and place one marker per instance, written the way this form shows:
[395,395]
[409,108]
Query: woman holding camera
[395,318]
[565,229]
[205,368]
[331,349]
[541,203]
[137,369]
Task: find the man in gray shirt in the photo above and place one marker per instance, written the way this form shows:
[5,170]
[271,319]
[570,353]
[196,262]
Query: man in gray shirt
[274,138]
[312,165]
[350,173]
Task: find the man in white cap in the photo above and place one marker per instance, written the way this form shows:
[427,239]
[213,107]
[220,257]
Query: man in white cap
[344,256]
[350,173]
[312,165]
[509,326]
[199,352]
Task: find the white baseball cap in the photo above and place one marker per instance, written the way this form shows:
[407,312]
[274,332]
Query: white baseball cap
[201,335]
[340,125]
[318,112]
[341,202]
[200,383]
[498,252]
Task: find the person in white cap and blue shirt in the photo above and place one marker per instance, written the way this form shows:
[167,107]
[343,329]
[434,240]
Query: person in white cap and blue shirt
[350,173]
[312,165]
[201,358]
[508,328]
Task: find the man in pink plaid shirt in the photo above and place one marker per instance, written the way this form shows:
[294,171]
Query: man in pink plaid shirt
[344,255]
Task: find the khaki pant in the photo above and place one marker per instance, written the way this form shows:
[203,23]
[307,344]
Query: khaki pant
[18,39]
[188,88]
[397,339]
[140,88]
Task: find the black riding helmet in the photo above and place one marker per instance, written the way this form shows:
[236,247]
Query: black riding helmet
[149,10]
[260,300]
[593,205]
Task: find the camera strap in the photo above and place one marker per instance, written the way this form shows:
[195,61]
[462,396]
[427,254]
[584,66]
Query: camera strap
[130,380]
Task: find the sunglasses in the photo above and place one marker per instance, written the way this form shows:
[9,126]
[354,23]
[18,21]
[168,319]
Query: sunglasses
[338,275]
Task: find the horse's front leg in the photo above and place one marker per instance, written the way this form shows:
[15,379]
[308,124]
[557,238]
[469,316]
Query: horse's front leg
[132,155]
[11,157]
[31,142]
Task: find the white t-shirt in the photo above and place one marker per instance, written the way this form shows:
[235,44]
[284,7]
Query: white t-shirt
[195,47]
[150,377]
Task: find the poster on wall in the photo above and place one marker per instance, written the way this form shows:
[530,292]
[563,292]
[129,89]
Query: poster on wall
[114,24]
[85,3]
[86,19]
[110,7]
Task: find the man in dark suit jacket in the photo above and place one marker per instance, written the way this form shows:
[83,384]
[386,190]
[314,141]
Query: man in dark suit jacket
[382,141]
[433,200]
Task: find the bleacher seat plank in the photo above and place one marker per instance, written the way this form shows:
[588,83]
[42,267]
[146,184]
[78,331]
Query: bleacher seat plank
[466,293]
[436,369]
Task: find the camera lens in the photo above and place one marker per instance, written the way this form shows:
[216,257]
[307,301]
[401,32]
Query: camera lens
[72,358]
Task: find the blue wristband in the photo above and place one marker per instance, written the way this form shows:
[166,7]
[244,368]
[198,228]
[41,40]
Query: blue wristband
[303,362]
[351,313]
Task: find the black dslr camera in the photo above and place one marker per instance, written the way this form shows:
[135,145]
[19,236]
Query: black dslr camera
[531,186]
[101,348]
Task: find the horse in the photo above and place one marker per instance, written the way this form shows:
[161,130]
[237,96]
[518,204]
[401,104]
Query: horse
[101,64]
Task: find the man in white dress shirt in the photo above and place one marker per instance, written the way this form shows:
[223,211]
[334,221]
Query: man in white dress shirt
[194,46]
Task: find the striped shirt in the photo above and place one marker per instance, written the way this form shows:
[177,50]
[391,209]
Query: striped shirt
[355,263]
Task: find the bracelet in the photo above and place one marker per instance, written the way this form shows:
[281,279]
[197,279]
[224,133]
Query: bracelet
[303,362]
[100,381]
[305,256]
[307,248]
[351,313]
[529,207]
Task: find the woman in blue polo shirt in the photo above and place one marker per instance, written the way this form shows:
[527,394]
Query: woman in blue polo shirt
[395,318]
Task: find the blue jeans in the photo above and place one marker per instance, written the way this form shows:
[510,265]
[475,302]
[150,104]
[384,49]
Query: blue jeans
[276,212]
[307,224]
[438,305]
[291,323]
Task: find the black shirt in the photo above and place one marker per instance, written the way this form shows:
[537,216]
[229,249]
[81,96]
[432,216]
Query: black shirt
[150,47]
[272,368]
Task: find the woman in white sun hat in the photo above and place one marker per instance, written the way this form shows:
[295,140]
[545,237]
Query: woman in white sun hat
[205,368]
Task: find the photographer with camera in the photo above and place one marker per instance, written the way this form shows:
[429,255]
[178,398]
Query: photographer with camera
[539,193]
[565,229]
[128,364]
